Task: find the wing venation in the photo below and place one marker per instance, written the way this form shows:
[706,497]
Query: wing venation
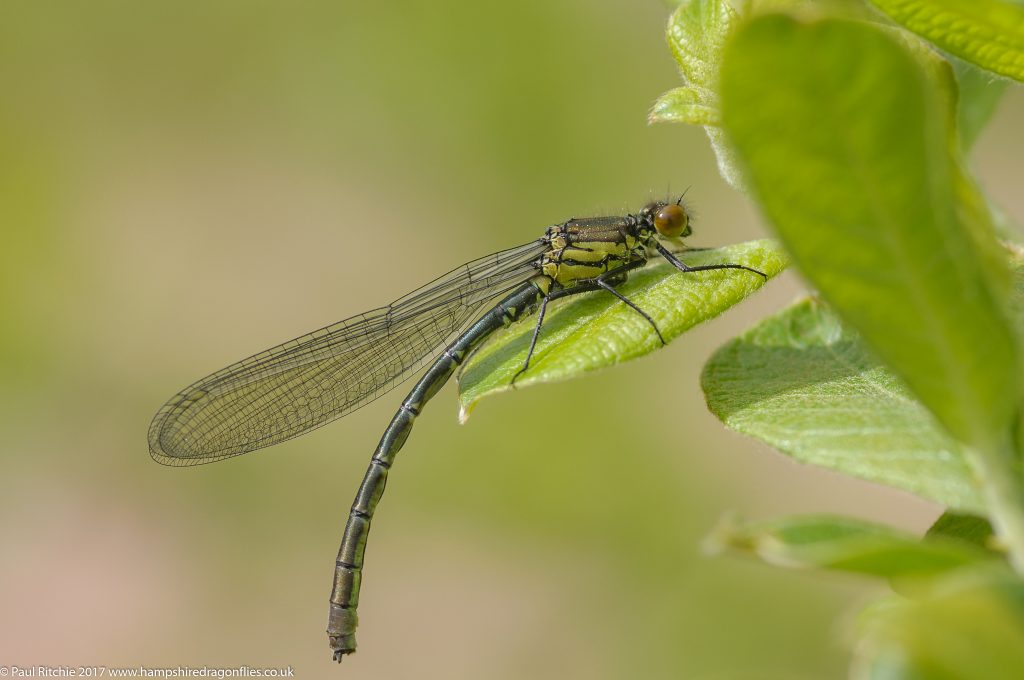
[307,382]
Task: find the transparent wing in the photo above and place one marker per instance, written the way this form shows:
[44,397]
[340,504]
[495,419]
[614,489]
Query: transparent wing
[307,382]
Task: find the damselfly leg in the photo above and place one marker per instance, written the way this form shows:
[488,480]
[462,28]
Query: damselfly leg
[601,282]
[683,267]
[607,282]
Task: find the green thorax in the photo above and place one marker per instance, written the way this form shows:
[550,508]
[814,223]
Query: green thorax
[586,248]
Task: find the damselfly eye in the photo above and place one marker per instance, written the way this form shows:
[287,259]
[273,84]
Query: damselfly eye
[671,221]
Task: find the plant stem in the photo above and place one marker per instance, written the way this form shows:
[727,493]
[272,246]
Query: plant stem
[1002,484]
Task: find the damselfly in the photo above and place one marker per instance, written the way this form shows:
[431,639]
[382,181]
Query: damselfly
[307,382]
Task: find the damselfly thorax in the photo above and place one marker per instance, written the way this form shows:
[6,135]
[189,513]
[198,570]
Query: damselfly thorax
[587,248]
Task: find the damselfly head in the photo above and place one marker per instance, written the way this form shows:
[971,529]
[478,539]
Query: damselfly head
[671,220]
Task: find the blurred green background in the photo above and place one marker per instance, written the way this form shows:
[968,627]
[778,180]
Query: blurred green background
[183,184]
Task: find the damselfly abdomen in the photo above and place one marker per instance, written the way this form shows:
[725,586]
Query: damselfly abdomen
[307,382]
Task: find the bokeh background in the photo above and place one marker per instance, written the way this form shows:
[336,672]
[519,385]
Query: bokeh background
[185,183]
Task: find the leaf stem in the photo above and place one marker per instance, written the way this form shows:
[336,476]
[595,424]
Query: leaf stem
[999,471]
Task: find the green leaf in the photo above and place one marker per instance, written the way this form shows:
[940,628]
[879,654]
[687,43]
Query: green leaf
[594,330]
[697,32]
[988,33]
[805,383]
[848,146]
[683,105]
[967,528]
[845,544]
[972,628]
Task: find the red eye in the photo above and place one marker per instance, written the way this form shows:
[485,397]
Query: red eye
[671,221]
